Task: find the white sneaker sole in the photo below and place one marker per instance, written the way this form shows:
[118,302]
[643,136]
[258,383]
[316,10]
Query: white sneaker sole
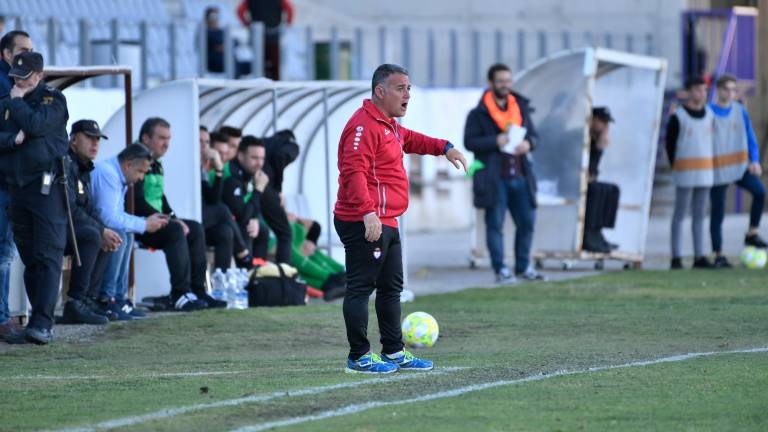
[353,371]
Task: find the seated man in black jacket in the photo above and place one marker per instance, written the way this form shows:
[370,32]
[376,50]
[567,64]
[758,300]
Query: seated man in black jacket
[243,190]
[182,240]
[221,230]
[90,233]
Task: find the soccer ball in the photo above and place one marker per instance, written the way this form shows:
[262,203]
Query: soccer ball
[753,258]
[420,330]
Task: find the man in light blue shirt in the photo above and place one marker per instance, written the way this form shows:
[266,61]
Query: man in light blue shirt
[109,183]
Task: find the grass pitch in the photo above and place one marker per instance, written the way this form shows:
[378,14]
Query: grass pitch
[227,370]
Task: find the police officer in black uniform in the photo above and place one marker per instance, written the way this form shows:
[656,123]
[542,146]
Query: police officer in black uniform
[33,143]
[91,236]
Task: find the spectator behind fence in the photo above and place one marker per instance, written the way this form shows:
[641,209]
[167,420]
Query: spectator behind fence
[221,230]
[242,194]
[182,240]
[214,37]
[11,44]
[737,159]
[35,145]
[507,182]
[110,181]
[269,13]
[690,148]
[602,198]
[91,235]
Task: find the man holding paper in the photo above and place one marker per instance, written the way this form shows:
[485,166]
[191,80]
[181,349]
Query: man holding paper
[501,134]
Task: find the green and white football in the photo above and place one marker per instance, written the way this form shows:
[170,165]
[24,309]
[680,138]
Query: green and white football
[753,258]
[420,330]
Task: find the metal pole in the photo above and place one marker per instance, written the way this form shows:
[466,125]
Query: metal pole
[431,71]
[542,44]
[310,54]
[114,46]
[52,41]
[630,43]
[358,53]
[382,45]
[334,59]
[274,111]
[202,49]
[172,50]
[649,44]
[257,46]
[499,36]
[454,50]
[476,58]
[520,50]
[85,42]
[144,54]
[327,150]
[566,40]
[229,56]
[608,40]
[18,24]
[406,47]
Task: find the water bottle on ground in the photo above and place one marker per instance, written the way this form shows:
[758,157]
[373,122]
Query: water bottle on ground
[232,284]
[218,285]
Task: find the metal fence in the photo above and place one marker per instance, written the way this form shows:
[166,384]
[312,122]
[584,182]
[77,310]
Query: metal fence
[436,57]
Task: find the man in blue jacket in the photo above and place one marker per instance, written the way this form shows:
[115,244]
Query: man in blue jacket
[507,181]
[737,159]
[11,44]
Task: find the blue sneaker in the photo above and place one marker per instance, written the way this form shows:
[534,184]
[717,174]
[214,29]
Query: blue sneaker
[407,361]
[370,364]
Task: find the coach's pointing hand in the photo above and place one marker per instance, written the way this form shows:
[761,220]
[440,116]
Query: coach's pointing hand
[456,158]
[372,227]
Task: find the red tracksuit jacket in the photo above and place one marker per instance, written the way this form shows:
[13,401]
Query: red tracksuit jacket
[372,176]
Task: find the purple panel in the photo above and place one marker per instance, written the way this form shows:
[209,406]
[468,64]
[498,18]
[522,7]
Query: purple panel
[744,49]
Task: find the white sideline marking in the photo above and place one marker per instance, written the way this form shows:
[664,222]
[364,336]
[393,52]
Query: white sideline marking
[92,377]
[172,412]
[357,408]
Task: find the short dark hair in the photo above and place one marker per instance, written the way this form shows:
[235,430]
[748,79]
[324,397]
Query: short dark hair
[134,152]
[694,80]
[149,125]
[724,79]
[498,67]
[8,42]
[231,131]
[384,71]
[210,10]
[247,142]
[218,137]
[203,128]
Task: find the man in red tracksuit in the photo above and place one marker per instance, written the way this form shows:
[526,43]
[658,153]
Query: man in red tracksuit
[373,192]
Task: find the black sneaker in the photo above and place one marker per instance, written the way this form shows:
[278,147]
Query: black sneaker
[95,306]
[77,312]
[188,303]
[594,242]
[676,264]
[128,307]
[721,262]
[755,240]
[116,309]
[702,263]
[39,336]
[212,302]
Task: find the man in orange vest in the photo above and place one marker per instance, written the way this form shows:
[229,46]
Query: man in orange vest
[507,180]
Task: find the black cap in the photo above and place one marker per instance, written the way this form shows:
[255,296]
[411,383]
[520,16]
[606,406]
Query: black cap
[88,127]
[602,113]
[26,63]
